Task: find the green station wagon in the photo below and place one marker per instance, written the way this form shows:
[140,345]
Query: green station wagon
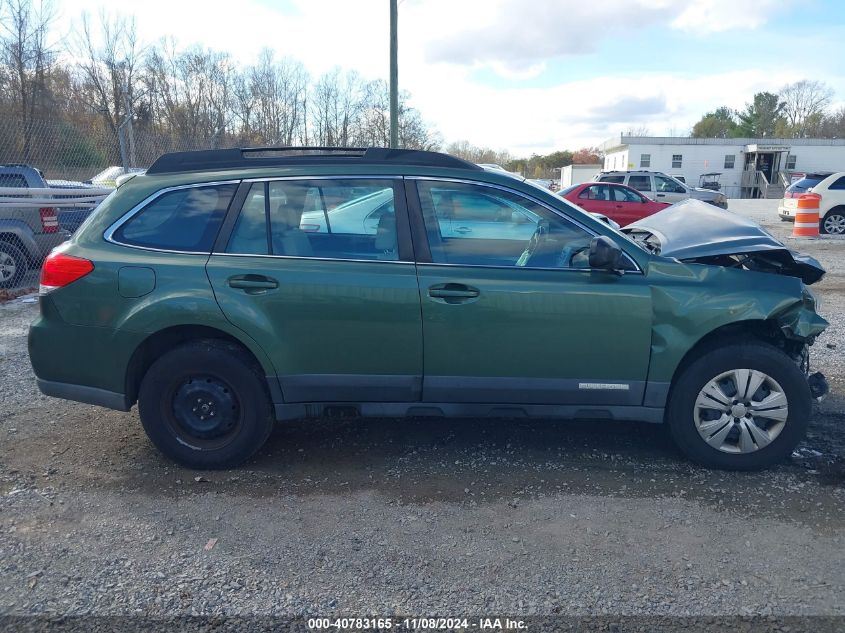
[225,290]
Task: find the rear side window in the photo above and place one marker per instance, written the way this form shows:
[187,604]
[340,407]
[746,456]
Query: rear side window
[334,219]
[616,179]
[640,183]
[12,180]
[179,220]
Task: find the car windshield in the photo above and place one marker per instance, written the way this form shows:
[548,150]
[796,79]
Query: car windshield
[810,180]
[563,192]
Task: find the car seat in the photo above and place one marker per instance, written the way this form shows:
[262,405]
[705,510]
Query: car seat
[288,238]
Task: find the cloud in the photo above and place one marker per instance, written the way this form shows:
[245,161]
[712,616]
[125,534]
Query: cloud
[627,109]
[505,34]
[710,16]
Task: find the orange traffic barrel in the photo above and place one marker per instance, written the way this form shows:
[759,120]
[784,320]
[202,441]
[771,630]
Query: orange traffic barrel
[807,216]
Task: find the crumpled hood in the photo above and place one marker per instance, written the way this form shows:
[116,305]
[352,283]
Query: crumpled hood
[695,230]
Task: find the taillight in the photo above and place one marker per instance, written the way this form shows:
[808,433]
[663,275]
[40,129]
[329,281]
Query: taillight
[49,219]
[59,270]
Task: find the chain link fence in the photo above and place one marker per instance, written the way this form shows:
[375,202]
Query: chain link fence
[53,174]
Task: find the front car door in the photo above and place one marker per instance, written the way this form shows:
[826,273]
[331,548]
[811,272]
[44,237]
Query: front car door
[510,319]
[330,296]
[669,190]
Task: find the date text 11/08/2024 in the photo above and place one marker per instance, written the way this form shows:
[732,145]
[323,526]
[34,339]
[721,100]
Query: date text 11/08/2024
[427,624]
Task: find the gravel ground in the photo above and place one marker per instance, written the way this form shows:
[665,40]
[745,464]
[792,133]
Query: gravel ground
[379,517]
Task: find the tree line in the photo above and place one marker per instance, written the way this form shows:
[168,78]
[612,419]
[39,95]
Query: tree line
[534,166]
[799,110]
[66,102]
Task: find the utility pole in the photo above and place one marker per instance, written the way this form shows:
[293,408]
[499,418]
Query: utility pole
[394,76]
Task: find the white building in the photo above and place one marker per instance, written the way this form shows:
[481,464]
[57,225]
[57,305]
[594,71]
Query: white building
[576,174]
[749,167]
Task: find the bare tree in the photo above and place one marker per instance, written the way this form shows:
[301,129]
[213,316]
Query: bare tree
[110,70]
[190,94]
[336,104]
[28,60]
[270,101]
[639,130]
[803,104]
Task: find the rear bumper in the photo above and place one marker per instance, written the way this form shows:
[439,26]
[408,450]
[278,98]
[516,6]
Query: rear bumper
[81,393]
[786,214]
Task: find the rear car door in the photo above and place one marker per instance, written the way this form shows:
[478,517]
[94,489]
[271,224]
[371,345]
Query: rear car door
[510,319]
[642,183]
[330,293]
[596,199]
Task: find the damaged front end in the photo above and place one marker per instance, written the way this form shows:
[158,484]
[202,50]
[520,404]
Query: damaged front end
[698,233]
[712,290]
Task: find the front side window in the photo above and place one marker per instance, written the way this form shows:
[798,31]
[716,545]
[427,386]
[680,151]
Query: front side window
[640,183]
[730,160]
[622,194]
[504,229]
[180,220]
[667,185]
[338,219]
[645,160]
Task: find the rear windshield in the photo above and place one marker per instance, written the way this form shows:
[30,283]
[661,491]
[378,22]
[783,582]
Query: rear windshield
[180,220]
[810,180]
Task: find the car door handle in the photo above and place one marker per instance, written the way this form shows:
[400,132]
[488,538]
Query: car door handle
[661,195]
[253,284]
[453,293]
[463,229]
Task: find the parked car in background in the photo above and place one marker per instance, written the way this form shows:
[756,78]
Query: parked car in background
[27,233]
[831,187]
[108,177]
[618,202]
[662,188]
[679,178]
[195,292]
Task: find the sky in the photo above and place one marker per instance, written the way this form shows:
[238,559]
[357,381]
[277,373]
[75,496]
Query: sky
[529,77]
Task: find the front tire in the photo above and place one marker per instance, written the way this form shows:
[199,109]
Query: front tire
[205,405]
[742,406]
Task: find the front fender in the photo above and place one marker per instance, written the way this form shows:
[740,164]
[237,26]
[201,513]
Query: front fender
[691,301]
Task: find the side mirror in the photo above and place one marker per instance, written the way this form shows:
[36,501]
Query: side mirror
[604,254]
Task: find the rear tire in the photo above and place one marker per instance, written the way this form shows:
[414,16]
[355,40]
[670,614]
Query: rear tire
[751,427]
[206,405]
[13,265]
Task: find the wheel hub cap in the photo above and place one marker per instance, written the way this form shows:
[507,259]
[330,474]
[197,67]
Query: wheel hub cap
[205,407]
[740,411]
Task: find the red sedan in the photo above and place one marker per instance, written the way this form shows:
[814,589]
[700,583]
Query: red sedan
[618,202]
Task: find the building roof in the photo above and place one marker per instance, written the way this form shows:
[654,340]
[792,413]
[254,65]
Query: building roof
[622,141]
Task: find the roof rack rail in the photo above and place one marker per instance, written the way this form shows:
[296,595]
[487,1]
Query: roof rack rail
[221,159]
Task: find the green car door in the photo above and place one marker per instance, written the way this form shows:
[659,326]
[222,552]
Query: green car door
[337,311]
[513,320]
